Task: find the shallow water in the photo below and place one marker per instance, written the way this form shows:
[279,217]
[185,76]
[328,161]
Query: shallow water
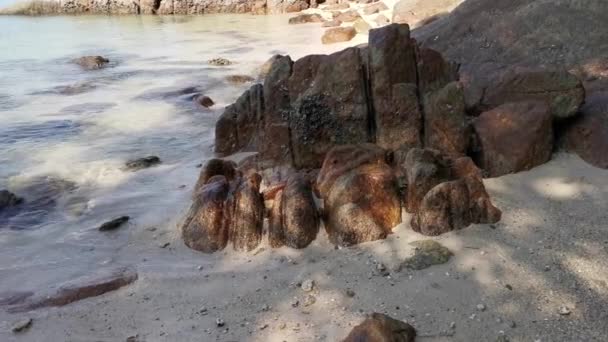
[66,133]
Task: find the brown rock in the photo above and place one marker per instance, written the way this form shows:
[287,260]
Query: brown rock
[338,34]
[454,205]
[393,77]
[329,105]
[204,101]
[514,137]
[306,18]
[587,134]
[425,168]
[207,225]
[361,201]
[215,167]
[445,124]
[80,288]
[348,16]
[382,20]
[332,23]
[434,71]
[274,144]
[294,221]
[247,215]
[375,8]
[381,328]
[237,126]
[560,90]
[239,79]
[91,62]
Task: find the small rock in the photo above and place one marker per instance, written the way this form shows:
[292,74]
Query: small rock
[142,163]
[204,101]
[309,300]
[200,267]
[91,62]
[219,62]
[239,79]
[481,307]
[22,325]
[452,325]
[564,311]
[113,224]
[219,322]
[164,245]
[308,285]
[8,199]
[338,34]
[512,324]
[295,303]
[427,254]
[350,293]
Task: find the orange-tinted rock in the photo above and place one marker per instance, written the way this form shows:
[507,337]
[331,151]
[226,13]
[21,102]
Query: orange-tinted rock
[338,34]
[381,328]
[348,16]
[306,18]
[294,221]
[514,137]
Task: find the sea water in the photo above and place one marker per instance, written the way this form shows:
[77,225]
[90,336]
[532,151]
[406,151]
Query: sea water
[66,133]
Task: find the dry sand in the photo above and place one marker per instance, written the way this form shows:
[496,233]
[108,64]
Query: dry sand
[548,253]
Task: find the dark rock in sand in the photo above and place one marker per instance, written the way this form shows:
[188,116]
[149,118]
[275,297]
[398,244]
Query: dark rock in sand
[219,62]
[359,189]
[9,199]
[338,34]
[305,18]
[392,64]
[426,254]
[445,123]
[587,134]
[560,90]
[204,101]
[142,163]
[114,224]
[514,137]
[21,325]
[79,289]
[294,221]
[91,62]
[381,328]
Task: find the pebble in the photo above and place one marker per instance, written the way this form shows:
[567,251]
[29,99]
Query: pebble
[481,307]
[308,285]
[309,300]
[22,325]
[452,325]
[564,311]
[164,245]
[350,293]
[295,302]
[219,322]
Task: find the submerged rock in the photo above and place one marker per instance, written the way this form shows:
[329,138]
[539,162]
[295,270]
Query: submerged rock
[142,163]
[305,18]
[220,62]
[348,16]
[426,254]
[239,79]
[381,328]
[9,199]
[22,325]
[113,224]
[204,101]
[338,34]
[91,62]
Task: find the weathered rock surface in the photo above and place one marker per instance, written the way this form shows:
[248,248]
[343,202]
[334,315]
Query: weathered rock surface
[236,127]
[9,199]
[454,205]
[142,163]
[329,105]
[381,328]
[426,254]
[226,207]
[306,18]
[445,124]
[587,134]
[338,34]
[92,62]
[514,137]
[361,201]
[78,289]
[392,69]
[294,221]
[560,90]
